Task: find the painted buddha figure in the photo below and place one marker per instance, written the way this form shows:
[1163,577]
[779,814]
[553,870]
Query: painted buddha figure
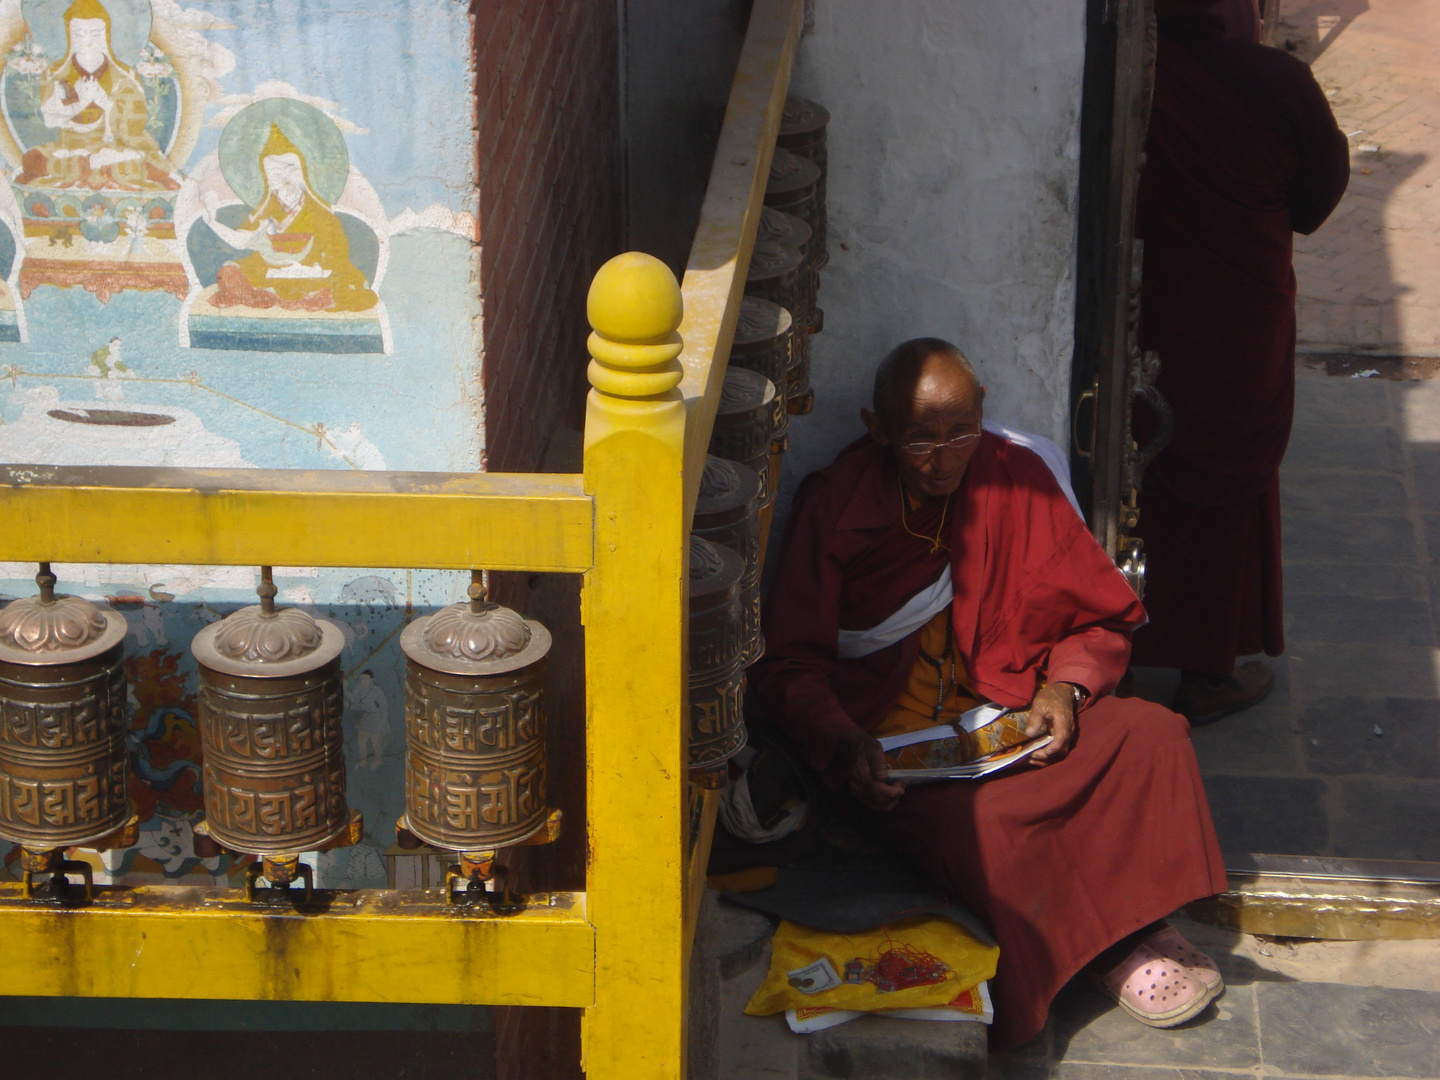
[98,106]
[297,254]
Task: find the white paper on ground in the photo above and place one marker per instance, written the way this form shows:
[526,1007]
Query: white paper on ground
[839,1016]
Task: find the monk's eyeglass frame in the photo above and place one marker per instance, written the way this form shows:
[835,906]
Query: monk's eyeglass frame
[925,449]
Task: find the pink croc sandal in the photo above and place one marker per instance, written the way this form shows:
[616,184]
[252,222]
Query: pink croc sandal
[1154,989]
[1170,942]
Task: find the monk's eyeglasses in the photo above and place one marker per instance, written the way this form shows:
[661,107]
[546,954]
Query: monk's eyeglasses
[925,449]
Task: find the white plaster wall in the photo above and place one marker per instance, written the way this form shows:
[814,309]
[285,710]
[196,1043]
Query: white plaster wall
[954,149]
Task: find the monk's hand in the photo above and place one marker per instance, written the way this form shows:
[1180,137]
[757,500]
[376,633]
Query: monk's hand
[867,772]
[1053,713]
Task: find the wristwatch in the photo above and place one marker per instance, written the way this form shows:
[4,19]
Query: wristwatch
[1079,695]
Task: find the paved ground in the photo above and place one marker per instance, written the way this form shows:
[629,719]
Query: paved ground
[1367,276]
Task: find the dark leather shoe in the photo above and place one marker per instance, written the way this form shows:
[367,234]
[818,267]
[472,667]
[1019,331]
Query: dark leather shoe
[1203,699]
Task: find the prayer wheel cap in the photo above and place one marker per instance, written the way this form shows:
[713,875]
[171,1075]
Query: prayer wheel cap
[760,320]
[769,259]
[57,629]
[790,172]
[778,227]
[801,116]
[725,485]
[744,390]
[474,638]
[714,568]
[267,642]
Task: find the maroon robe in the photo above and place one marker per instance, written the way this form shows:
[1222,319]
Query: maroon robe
[1242,150]
[1063,860]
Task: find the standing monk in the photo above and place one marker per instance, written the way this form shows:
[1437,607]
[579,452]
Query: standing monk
[1242,151]
[935,565]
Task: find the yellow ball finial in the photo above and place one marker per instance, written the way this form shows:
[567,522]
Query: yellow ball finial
[634,297]
[635,308]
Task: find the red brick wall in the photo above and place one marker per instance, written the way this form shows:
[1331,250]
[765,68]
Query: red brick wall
[548,144]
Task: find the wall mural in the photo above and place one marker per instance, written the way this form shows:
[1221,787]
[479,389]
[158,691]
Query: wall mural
[240,234]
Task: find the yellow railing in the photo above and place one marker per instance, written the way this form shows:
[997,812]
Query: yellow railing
[619,949]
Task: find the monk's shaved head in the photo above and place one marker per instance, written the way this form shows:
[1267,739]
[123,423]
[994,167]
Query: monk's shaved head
[899,373]
[928,409]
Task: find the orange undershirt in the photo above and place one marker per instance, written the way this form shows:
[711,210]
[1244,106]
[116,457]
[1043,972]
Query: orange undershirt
[914,709]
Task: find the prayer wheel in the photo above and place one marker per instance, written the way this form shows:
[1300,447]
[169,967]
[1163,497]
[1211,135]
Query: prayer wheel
[787,230]
[803,126]
[747,413]
[475,759]
[763,339]
[271,705]
[63,764]
[727,512]
[777,227]
[778,274]
[793,187]
[717,670]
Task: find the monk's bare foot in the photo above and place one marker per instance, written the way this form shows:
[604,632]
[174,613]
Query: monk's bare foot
[1203,699]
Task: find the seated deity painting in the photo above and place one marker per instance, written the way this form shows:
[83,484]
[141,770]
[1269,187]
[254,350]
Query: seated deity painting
[284,240]
[96,119]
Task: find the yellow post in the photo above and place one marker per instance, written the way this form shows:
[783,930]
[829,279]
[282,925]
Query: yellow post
[634,609]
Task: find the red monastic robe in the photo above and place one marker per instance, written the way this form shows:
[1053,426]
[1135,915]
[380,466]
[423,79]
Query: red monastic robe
[1063,860]
[1242,150]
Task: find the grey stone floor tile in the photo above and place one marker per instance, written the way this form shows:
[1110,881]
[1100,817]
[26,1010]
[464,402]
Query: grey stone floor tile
[1342,620]
[1362,670]
[1366,579]
[1069,1070]
[1365,448]
[1260,740]
[1382,818]
[1343,492]
[1324,1029]
[1431,525]
[1091,1029]
[886,1048]
[1323,536]
[1284,815]
[1397,737]
[1323,399]
[1425,461]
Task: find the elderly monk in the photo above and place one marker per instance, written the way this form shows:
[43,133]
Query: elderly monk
[935,565]
[1242,152]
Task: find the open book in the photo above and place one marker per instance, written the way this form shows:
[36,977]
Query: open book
[980,742]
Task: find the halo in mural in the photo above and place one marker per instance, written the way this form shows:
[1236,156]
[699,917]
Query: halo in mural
[129,26]
[315,135]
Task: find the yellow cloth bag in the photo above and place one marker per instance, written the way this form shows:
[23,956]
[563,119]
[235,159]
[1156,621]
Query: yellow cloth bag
[915,963]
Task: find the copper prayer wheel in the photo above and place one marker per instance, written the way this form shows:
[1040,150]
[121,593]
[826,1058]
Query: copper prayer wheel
[717,672]
[793,187]
[727,512]
[749,410]
[778,273]
[475,764]
[764,337]
[777,227]
[803,126]
[271,705]
[63,763]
